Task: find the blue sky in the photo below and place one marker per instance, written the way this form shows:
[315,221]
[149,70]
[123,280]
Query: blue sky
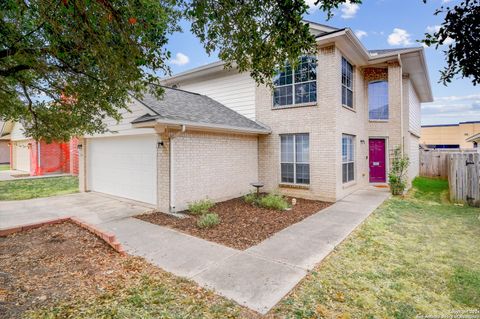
[380,24]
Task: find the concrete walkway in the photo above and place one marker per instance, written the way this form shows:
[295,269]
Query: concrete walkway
[260,276]
[94,208]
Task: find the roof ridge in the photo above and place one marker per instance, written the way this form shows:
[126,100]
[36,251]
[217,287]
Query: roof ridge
[172,88]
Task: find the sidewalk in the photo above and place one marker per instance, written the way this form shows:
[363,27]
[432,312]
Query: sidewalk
[260,276]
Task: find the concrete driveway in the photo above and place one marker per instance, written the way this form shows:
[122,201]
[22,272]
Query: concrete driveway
[94,208]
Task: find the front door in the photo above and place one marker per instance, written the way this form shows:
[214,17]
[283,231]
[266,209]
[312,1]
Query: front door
[377,160]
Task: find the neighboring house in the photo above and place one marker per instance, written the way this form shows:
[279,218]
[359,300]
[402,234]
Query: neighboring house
[4,145]
[39,158]
[327,129]
[475,140]
[450,135]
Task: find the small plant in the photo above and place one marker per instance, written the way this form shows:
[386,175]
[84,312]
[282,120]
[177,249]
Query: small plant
[250,198]
[398,172]
[208,220]
[273,201]
[200,207]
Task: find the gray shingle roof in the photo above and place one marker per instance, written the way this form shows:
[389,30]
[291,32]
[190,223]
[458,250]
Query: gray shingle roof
[183,106]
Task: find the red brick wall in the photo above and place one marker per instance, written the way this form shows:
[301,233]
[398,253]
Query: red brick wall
[54,158]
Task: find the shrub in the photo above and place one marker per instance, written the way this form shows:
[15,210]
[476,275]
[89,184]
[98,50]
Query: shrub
[273,201]
[396,177]
[200,207]
[250,198]
[208,220]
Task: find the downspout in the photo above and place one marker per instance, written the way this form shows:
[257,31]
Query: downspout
[402,136]
[171,167]
[38,159]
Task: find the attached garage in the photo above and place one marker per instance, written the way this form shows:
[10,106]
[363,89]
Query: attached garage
[21,156]
[170,152]
[124,166]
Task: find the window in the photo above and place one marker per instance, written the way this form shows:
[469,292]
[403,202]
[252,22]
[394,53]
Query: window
[348,158]
[378,100]
[295,167]
[347,83]
[296,86]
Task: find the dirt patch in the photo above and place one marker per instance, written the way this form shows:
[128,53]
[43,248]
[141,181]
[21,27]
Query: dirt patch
[242,225]
[53,263]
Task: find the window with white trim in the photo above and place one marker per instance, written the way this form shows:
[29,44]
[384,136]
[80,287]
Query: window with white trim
[294,159]
[297,86]
[348,158]
[347,83]
[378,100]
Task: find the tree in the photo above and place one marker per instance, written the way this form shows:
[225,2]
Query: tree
[461,31]
[66,65]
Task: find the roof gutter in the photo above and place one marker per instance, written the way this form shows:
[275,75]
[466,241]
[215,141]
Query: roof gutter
[200,125]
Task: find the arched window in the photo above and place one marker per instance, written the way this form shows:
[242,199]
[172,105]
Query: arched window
[378,100]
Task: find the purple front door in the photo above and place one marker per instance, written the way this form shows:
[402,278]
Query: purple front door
[377,161]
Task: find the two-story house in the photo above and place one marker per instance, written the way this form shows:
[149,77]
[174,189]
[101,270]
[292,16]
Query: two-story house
[327,128]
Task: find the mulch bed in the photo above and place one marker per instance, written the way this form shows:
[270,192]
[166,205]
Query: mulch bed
[61,262]
[242,225]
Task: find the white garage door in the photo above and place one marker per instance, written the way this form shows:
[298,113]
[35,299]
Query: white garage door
[21,156]
[123,166]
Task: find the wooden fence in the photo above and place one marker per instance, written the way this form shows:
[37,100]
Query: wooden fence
[434,163]
[464,178]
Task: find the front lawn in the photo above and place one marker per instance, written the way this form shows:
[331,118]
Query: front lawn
[38,187]
[4,167]
[71,273]
[413,256]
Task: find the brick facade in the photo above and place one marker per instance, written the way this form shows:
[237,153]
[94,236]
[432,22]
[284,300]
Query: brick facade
[326,121]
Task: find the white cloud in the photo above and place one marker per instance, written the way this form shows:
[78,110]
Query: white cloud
[451,109]
[349,10]
[360,34]
[432,28]
[311,5]
[399,37]
[180,59]
[446,1]
[436,28]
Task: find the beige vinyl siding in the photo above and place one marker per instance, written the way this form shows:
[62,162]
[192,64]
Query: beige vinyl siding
[17,133]
[414,155]
[124,126]
[236,91]
[414,110]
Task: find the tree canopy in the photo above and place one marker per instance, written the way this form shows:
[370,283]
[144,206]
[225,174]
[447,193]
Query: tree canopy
[66,65]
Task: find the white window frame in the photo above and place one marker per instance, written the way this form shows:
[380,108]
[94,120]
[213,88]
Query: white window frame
[293,88]
[295,160]
[347,161]
[345,86]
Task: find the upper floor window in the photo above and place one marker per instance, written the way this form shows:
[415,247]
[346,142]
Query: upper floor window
[347,83]
[378,100]
[296,86]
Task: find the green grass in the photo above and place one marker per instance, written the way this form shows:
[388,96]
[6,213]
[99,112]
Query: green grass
[414,256]
[4,167]
[159,296]
[37,187]
[200,207]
